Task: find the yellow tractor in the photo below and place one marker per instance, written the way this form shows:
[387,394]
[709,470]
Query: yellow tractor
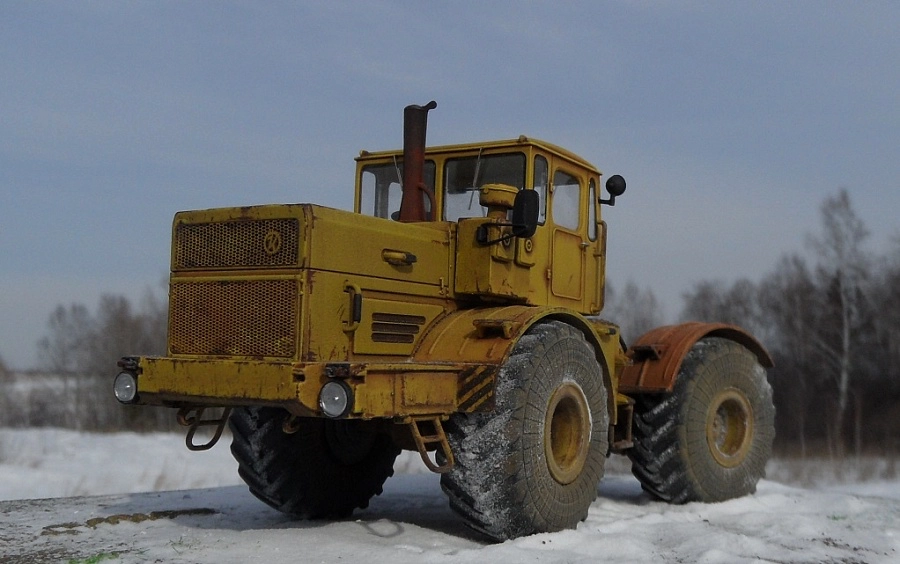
[454,312]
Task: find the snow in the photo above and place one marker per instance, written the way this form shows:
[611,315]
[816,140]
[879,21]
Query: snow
[61,463]
[206,516]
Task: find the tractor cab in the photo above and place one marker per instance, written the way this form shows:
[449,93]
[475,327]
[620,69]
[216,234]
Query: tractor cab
[526,214]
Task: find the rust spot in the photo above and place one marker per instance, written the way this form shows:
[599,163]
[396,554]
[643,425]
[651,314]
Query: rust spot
[657,354]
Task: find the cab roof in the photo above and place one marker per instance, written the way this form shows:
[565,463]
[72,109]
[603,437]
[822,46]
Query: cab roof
[520,142]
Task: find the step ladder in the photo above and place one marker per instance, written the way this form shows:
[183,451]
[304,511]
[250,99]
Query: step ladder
[429,432]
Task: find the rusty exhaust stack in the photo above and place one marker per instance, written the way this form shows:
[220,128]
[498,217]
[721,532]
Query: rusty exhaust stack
[415,122]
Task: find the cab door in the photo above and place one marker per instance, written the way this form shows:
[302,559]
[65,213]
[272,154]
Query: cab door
[569,242]
[596,252]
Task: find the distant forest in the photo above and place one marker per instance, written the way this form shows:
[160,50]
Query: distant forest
[830,317]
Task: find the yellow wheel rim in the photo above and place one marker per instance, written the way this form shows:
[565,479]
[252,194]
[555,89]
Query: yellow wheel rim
[567,433]
[729,427]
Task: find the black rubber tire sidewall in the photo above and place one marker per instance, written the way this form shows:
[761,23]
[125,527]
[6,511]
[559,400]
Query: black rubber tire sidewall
[300,474]
[713,366]
[501,483]
[671,456]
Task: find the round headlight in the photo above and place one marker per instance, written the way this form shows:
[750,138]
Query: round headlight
[334,399]
[125,387]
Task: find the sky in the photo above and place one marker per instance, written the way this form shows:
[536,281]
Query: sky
[731,122]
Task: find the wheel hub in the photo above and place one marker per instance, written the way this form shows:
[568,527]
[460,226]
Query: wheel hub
[567,433]
[729,427]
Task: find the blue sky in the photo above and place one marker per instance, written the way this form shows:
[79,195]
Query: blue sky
[731,121]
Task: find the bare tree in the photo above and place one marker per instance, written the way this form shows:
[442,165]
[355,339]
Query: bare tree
[885,401]
[83,349]
[887,298]
[635,310]
[714,301]
[79,342]
[789,301]
[843,269]
[704,302]
[64,350]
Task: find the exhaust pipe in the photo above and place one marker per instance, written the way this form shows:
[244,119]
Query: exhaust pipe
[415,122]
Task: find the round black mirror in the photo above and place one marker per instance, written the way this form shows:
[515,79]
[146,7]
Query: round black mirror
[615,185]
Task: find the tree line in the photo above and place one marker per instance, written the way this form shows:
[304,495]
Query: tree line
[830,317]
[72,387]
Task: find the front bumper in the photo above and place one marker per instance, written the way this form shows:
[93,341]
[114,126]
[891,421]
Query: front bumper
[378,390]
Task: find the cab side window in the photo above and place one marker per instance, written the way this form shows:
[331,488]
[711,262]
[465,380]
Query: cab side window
[566,200]
[381,188]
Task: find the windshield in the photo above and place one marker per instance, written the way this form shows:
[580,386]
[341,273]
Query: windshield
[381,190]
[465,176]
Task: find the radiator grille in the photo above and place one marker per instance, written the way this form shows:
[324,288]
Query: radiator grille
[236,244]
[234,318]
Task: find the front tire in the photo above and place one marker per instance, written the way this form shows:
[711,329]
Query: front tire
[323,471]
[709,440]
[533,464]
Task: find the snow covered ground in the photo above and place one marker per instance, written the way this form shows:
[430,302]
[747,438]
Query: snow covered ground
[211,518]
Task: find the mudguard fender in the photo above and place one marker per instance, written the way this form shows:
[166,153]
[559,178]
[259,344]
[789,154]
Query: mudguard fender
[657,355]
[483,339]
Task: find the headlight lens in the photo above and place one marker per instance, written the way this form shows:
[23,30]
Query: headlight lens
[335,399]
[125,387]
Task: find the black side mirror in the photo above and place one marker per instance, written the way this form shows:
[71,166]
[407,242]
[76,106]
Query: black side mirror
[615,185]
[526,208]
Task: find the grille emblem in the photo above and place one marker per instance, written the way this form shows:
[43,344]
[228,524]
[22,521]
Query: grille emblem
[258,243]
[272,242]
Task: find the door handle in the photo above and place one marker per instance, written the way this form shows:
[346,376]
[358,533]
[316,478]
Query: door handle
[356,303]
[398,258]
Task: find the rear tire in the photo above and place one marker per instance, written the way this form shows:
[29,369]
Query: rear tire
[323,471]
[709,440]
[533,464]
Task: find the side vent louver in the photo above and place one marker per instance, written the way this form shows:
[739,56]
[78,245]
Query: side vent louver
[395,327]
